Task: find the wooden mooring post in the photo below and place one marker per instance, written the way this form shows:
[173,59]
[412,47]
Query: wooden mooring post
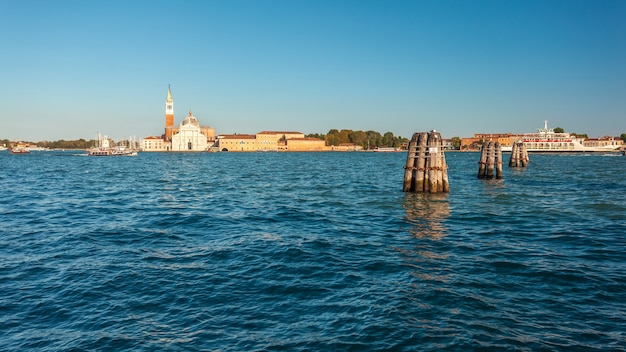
[426,169]
[490,159]
[519,155]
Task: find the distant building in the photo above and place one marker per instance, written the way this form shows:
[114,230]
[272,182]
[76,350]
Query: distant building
[345,147]
[447,144]
[273,141]
[603,142]
[267,141]
[307,144]
[189,136]
[237,143]
[153,144]
[284,135]
[474,143]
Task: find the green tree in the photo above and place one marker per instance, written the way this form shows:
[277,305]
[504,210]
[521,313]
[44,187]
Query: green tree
[623,136]
[374,139]
[559,130]
[401,142]
[359,138]
[316,135]
[456,142]
[344,136]
[332,137]
[388,139]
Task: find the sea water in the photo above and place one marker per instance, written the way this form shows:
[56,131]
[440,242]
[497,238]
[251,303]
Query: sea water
[309,251]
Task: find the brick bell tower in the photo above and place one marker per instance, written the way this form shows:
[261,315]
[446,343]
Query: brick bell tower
[169,115]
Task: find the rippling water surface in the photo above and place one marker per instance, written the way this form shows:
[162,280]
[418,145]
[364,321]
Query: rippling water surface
[309,251]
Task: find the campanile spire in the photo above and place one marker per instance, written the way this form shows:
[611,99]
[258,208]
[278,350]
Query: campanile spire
[169,114]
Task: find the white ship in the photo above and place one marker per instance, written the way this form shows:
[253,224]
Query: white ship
[546,140]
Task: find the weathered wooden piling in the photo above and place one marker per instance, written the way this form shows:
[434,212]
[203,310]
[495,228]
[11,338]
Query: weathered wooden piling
[426,169]
[490,159]
[519,155]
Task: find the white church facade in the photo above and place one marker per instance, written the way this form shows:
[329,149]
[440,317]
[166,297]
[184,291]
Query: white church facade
[189,136]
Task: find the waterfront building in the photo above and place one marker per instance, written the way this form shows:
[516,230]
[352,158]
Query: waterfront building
[474,143]
[237,143]
[153,144]
[345,147]
[271,141]
[284,135]
[188,136]
[277,139]
[606,141]
[306,144]
[267,141]
[447,144]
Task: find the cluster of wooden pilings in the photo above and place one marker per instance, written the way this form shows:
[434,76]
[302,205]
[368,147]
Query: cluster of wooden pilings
[490,159]
[426,169]
[519,155]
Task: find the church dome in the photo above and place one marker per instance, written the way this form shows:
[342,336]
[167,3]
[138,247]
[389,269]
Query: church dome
[190,120]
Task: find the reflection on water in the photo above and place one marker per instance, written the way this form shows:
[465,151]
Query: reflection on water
[427,263]
[426,212]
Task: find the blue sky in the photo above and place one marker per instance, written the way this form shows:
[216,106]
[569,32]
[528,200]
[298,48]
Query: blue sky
[70,69]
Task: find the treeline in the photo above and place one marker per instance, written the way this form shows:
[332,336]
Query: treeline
[60,144]
[368,140]
[63,144]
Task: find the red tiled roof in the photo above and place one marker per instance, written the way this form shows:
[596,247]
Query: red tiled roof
[237,136]
[279,132]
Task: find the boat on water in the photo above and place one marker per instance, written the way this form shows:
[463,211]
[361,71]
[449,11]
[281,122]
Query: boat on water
[105,147]
[546,140]
[387,149]
[20,149]
[39,149]
[111,152]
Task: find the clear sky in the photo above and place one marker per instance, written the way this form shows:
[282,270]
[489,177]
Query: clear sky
[70,69]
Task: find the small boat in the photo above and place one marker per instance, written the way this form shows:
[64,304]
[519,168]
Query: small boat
[20,150]
[387,149]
